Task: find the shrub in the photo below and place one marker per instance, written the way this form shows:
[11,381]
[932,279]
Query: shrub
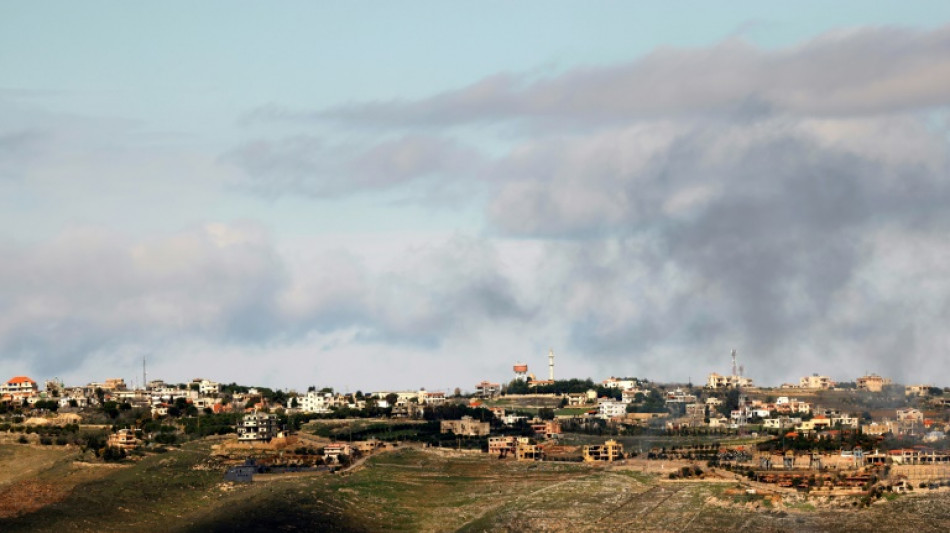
[165,438]
[112,453]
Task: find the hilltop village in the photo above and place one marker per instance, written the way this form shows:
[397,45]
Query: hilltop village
[863,438]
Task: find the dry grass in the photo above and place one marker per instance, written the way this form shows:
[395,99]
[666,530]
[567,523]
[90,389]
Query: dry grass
[420,490]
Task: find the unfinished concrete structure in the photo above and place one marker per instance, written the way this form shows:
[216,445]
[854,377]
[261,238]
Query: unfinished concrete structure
[466,427]
[608,451]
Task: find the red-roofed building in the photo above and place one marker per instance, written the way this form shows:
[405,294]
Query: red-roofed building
[19,387]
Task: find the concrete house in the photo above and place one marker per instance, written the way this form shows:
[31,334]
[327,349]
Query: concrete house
[608,451]
[466,427]
[872,383]
[19,388]
[815,381]
[257,427]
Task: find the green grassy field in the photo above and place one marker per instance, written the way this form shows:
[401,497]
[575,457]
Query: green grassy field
[425,490]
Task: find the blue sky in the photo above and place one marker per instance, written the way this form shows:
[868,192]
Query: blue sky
[430,191]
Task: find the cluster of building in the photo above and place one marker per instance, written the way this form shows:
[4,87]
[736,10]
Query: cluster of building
[156,395]
[681,407]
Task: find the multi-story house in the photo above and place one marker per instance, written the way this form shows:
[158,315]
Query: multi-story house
[815,381]
[257,427]
[618,383]
[207,387]
[608,451]
[910,414]
[679,396]
[316,402]
[467,427]
[431,397]
[487,389]
[124,439]
[611,409]
[716,381]
[872,383]
[19,388]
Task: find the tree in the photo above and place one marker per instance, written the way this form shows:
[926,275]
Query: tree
[49,405]
[111,408]
[391,398]
[112,453]
[730,403]
[546,413]
[294,403]
[653,402]
[458,392]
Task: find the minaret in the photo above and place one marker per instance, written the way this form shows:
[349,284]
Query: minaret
[551,364]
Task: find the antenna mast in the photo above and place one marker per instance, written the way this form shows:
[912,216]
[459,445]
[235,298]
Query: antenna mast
[735,370]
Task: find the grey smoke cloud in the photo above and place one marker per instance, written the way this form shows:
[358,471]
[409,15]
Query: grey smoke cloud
[696,200]
[757,235]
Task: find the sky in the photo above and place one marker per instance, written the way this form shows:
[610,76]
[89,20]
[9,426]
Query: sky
[394,195]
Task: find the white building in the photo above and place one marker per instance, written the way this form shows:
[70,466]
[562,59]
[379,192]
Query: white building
[845,421]
[81,401]
[431,397]
[679,396]
[316,402]
[207,387]
[612,409]
[781,422]
[19,387]
[618,383]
